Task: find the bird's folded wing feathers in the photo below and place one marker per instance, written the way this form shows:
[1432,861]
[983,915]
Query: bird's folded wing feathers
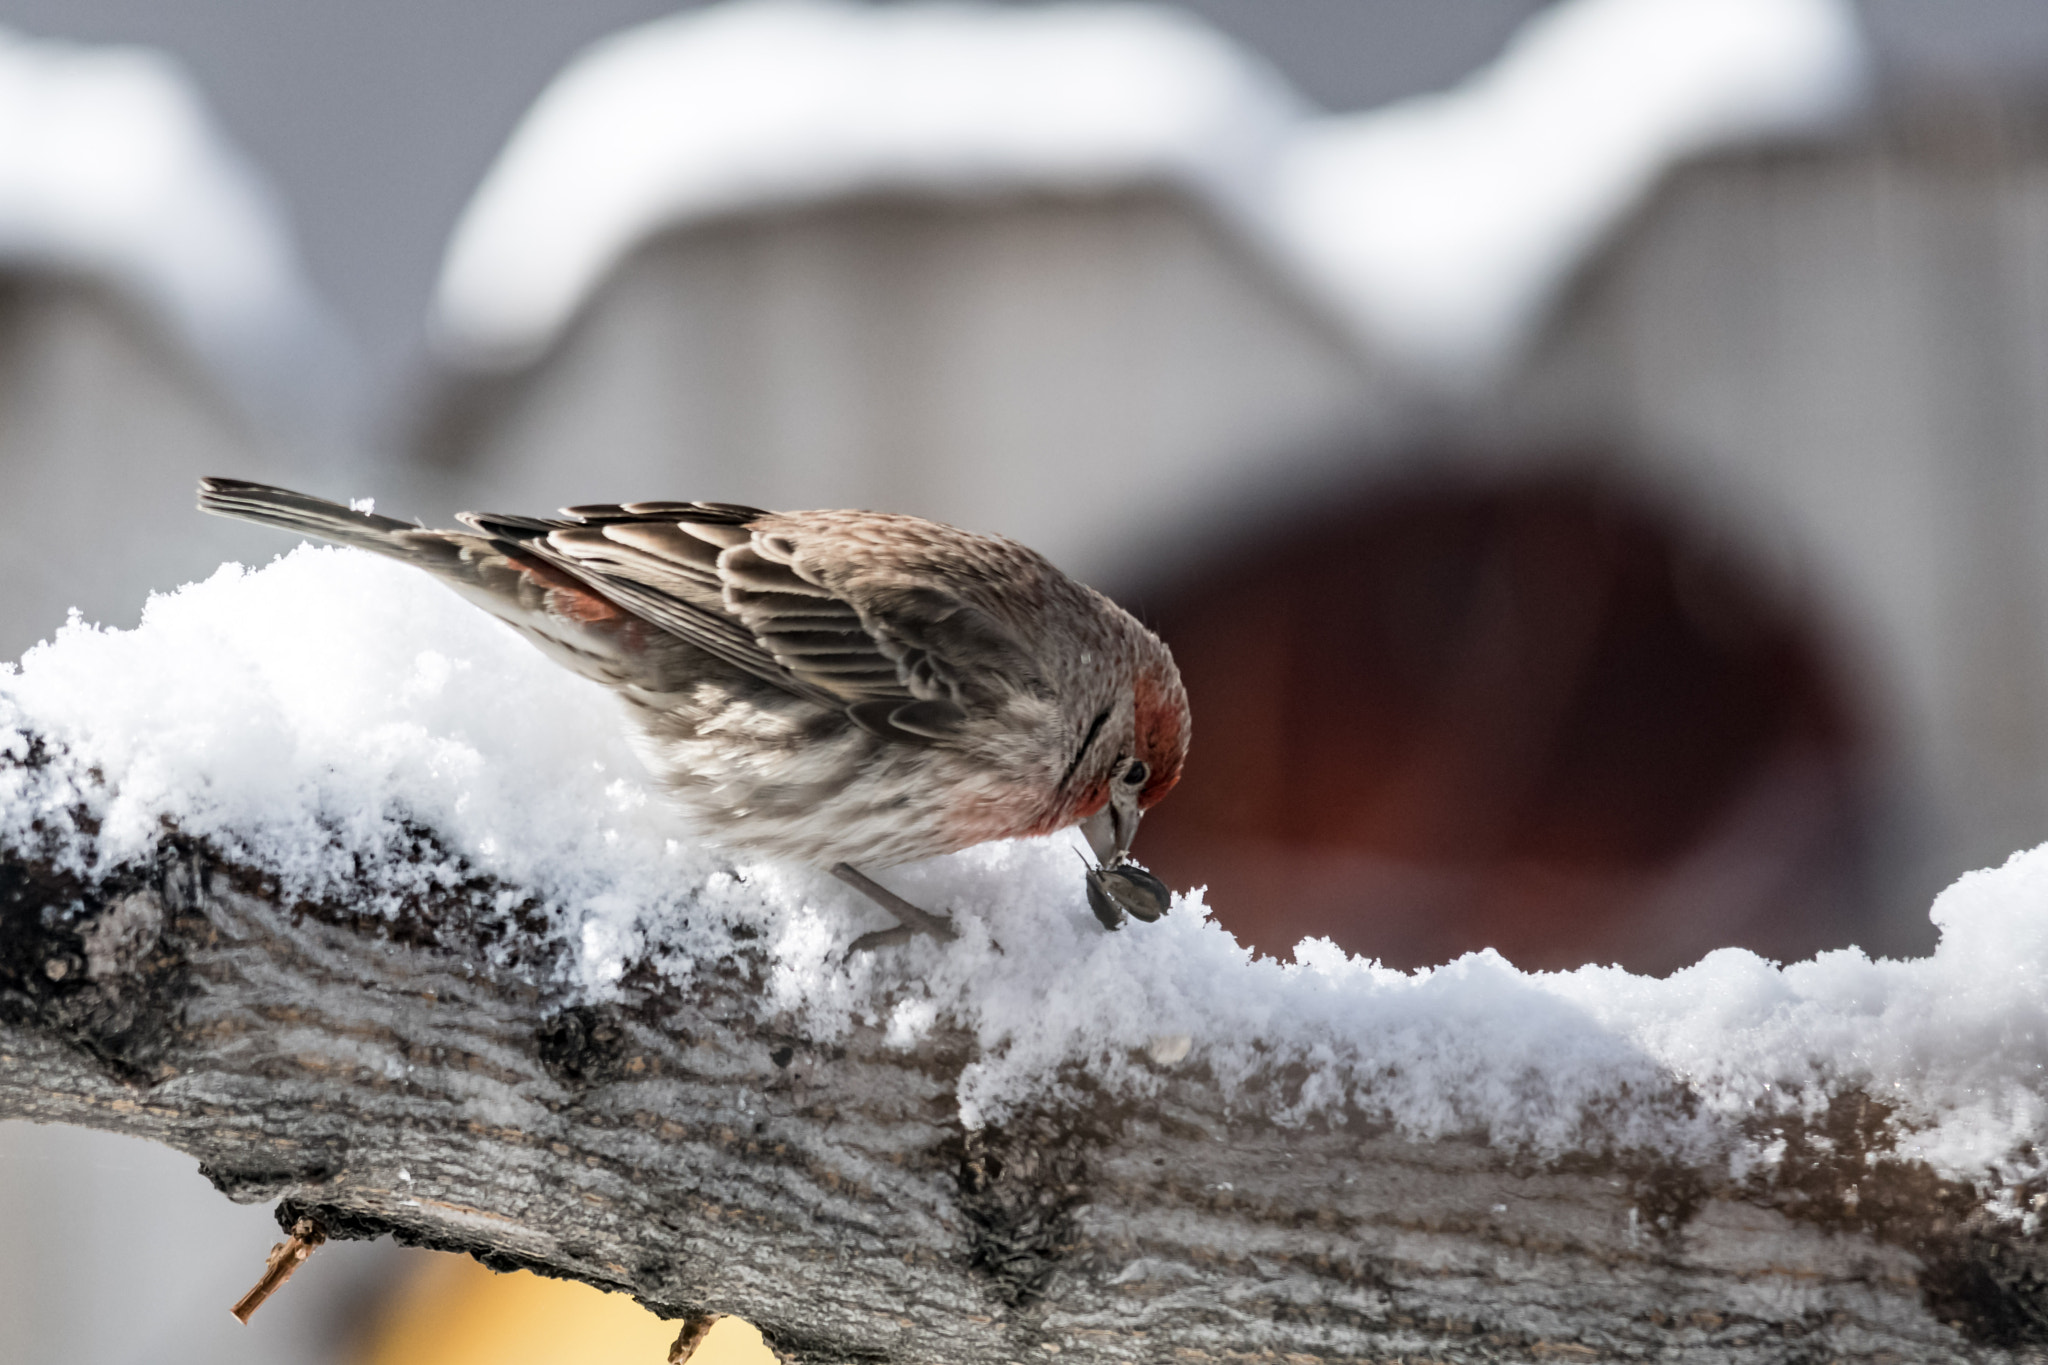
[757,590]
[947,650]
[702,573]
[674,593]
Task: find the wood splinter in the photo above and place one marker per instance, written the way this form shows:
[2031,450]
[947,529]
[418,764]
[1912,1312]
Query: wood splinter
[285,1257]
[696,1327]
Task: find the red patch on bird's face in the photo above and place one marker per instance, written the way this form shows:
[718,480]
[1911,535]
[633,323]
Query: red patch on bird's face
[1160,708]
[1086,802]
[968,825]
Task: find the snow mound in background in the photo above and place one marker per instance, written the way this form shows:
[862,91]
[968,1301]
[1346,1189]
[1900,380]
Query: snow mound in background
[317,715]
[111,167]
[790,101]
[1439,228]
[1447,225]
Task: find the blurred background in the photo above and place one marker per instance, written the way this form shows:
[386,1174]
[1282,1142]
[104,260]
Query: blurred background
[1590,459]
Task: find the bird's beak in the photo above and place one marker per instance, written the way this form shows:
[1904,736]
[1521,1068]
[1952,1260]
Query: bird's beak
[1109,832]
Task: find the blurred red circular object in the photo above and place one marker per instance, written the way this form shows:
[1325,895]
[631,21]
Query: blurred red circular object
[1531,713]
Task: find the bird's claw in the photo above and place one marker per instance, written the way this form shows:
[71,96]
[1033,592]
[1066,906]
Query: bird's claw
[1126,890]
[883,938]
[912,920]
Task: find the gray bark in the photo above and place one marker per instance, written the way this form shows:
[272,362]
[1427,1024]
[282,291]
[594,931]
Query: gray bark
[366,1072]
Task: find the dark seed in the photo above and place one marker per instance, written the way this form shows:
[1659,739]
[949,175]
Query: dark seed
[1126,889]
[1142,895]
[1099,902]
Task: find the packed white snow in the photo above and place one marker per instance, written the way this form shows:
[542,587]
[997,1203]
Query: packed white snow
[111,167]
[315,716]
[1439,228]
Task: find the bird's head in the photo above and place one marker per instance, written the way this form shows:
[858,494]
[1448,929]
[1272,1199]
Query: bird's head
[1134,755]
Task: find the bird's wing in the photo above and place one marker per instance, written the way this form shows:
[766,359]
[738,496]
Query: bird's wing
[938,603]
[705,573]
[946,649]
[677,591]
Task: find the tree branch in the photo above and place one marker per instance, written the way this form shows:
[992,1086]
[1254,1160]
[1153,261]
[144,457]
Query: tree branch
[400,1074]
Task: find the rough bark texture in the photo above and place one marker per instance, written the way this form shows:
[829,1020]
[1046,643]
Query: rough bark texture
[363,1071]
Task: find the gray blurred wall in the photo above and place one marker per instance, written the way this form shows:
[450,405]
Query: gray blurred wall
[105,422]
[1833,358]
[1107,377]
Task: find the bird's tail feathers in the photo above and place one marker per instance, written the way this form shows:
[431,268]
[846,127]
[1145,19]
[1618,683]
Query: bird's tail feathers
[289,511]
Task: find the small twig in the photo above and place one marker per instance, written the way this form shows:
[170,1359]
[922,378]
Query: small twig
[285,1257]
[696,1327]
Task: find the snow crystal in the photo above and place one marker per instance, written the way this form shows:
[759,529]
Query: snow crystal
[110,166]
[328,714]
[1439,227]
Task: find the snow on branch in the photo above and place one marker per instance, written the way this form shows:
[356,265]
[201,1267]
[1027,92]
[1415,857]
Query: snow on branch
[326,879]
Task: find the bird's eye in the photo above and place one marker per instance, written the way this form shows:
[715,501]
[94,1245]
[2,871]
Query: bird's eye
[1136,774]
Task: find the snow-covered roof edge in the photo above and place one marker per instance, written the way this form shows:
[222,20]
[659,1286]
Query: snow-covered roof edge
[111,167]
[1439,228]
[1447,224]
[772,102]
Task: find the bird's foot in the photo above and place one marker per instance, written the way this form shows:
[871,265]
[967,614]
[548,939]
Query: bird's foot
[911,920]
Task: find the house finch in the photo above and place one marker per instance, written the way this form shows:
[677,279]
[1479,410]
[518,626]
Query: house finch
[835,687]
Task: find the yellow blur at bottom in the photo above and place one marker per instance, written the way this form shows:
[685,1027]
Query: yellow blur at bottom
[455,1312]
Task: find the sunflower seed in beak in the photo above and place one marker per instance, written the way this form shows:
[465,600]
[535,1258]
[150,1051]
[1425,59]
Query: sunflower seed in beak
[1126,890]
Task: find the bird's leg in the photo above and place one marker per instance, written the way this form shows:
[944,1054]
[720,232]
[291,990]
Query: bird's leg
[911,920]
